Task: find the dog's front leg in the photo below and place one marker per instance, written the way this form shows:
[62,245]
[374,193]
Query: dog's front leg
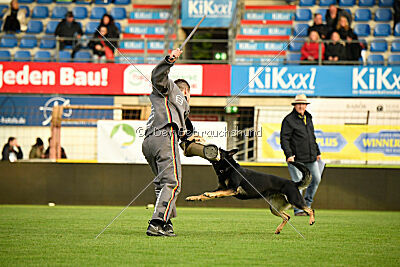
[221,193]
[201,197]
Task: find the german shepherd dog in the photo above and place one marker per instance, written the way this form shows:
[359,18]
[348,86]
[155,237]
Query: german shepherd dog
[243,184]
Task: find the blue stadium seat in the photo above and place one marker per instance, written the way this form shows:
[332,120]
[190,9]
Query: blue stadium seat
[303,15]
[48,42]
[368,3]
[22,55]
[5,55]
[97,12]
[300,30]
[322,11]
[375,60]
[3,9]
[362,15]
[51,26]
[44,1]
[347,2]
[388,3]
[307,3]
[83,56]
[394,60]
[42,56]
[362,30]
[83,2]
[397,29]
[28,41]
[379,45]
[102,2]
[382,30]
[118,25]
[293,59]
[25,1]
[34,26]
[64,2]
[9,40]
[64,56]
[296,45]
[40,12]
[59,12]
[80,12]
[27,9]
[91,27]
[118,13]
[327,2]
[383,14]
[122,2]
[395,46]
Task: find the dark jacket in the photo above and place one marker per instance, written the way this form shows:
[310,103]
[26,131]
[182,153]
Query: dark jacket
[335,50]
[112,31]
[298,139]
[7,150]
[47,153]
[65,29]
[344,33]
[98,41]
[322,30]
[332,23]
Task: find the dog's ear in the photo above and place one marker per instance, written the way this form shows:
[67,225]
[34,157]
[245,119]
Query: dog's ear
[233,152]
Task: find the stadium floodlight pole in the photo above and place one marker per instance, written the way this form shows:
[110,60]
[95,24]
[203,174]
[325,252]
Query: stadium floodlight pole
[264,198]
[268,63]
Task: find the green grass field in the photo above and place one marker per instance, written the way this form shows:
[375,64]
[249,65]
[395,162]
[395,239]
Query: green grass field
[64,235]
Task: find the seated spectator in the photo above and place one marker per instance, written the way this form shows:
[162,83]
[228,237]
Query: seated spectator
[310,50]
[47,152]
[12,151]
[343,28]
[15,18]
[112,30]
[102,50]
[69,28]
[333,15]
[335,51]
[37,150]
[353,48]
[318,26]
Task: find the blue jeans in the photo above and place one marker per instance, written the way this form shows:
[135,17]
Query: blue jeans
[312,188]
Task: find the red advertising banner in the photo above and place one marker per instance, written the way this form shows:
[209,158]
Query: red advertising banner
[106,79]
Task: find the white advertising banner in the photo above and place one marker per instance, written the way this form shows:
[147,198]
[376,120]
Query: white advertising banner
[121,141]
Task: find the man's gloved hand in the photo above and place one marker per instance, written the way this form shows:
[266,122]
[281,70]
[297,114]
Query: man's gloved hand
[196,138]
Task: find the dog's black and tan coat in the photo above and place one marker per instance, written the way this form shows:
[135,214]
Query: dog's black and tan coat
[281,193]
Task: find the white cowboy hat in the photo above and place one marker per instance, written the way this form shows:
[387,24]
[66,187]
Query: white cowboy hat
[300,99]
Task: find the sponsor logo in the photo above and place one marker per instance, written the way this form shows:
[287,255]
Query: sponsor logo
[375,79]
[124,134]
[211,8]
[53,102]
[179,99]
[386,142]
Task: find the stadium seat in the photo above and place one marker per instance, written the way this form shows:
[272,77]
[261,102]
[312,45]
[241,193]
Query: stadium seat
[9,40]
[383,14]
[395,47]
[293,59]
[118,13]
[48,42]
[91,27]
[59,12]
[303,15]
[387,3]
[83,2]
[25,1]
[397,30]
[375,60]
[80,12]
[118,25]
[83,56]
[327,2]
[5,55]
[97,12]
[300,30]
[42,56]
[44,1]
[64,2]
[394,60]
[307,3]
[3,9]
[382,30]
[296,45]
[22,55]
[28,41]
[40,12]
[102,2]
[322,11]
[379,45]
[122,2]
[362,15]
[27,9]
[366,3]
[34,26]
[347,3]
[362,30]
[64,56]
[51,26]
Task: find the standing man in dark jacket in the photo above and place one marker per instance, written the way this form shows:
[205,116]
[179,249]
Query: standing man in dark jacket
[69,28]
[333,14]
[299,144]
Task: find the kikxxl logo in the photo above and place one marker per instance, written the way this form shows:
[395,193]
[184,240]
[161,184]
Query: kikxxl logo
[210,8]
[375,79]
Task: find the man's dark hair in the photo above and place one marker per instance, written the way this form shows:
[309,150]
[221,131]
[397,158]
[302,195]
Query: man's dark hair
[11,138]
[182,84]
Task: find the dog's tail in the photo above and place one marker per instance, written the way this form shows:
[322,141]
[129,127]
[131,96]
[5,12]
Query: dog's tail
[306,180]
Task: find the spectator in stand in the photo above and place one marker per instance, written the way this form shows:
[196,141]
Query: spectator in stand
[12,151]
[353,48]
[335,50]
[310,50]
[343,28]
[102,50]
[47,152]
[396,16]
[333,15]
[112,30]
[69,28]
[318,26]
[37,150]
[15,18]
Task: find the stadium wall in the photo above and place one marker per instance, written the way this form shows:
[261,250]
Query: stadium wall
[117,184]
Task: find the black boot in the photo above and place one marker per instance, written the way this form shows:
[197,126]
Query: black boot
[169,229]
[156,228]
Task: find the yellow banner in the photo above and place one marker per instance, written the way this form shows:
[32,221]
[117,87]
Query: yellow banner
[342,142]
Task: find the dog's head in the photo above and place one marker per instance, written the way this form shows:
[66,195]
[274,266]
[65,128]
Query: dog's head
[226,161]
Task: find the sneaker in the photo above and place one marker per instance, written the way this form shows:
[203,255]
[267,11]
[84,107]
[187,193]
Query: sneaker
[155,229]
[169,229]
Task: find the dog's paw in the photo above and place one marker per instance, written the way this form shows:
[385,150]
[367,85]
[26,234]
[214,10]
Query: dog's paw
[196,198]
[277,232]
